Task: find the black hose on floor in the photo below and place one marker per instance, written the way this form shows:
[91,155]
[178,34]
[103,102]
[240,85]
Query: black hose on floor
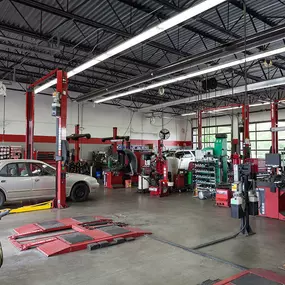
[218,240]
[206,255]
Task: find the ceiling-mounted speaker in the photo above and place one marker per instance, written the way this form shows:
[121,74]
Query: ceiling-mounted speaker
[209,84]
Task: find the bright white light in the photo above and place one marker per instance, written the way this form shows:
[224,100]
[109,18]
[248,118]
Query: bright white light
[226,109]
[222,109]
[195,74]
[45,86]
[188,114]
[173,21]
[219,93]
[259,104]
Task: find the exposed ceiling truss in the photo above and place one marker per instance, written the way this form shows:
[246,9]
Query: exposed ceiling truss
[38,36]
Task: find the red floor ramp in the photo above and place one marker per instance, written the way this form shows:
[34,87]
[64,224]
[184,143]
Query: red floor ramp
[56,225]
[68,235]
[254,276]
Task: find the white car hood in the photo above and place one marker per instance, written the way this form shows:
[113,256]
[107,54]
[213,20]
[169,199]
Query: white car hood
[78,176]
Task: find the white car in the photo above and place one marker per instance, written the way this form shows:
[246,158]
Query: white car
[182,158]
[22,179]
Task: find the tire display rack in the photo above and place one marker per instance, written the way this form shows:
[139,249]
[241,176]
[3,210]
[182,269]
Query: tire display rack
[205,176]
[11,152]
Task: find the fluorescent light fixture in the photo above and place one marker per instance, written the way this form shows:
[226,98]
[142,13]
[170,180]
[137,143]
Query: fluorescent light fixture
[195,74]
[219,93]
[259,104]
[165,25]
[222,109]
[188,114]
[226,109]
[45,86]
[277,129]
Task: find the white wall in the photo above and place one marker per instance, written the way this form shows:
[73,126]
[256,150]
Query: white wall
[98,121]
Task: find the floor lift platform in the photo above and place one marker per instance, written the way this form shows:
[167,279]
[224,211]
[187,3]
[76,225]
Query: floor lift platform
[251,277]
[67,235]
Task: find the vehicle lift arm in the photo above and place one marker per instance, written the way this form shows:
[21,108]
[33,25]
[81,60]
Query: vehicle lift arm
[75,137]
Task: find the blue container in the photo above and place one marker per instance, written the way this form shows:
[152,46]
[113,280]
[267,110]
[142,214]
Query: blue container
[98,174]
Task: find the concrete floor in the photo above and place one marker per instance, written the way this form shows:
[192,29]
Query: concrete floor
[178,218]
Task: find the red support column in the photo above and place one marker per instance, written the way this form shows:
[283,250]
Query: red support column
[199,129]
[61,89]
[76,145]
[30,123]
[115,133]
[246,140]
[274,124]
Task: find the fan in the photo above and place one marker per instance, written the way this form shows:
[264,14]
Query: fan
[164,134]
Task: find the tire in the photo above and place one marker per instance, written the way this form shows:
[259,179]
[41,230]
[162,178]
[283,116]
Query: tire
[79,192]
[2,198]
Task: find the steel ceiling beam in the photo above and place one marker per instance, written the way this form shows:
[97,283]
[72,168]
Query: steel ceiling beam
[162,16]
[221,93]
[84,48]
[94,24]
[198,19]
[252,41]
[252,12]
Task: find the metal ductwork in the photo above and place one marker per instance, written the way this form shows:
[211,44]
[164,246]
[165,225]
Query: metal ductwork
[220,93]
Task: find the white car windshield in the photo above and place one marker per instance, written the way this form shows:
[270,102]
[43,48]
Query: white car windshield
[50,170]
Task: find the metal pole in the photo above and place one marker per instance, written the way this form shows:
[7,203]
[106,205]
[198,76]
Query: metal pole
[76,145]
[274,124]
[30,123]
[246,141]
[61,88]
[115,134]
[199,129]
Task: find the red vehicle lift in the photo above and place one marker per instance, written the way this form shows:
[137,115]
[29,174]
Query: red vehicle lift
[60,100]
[73,234]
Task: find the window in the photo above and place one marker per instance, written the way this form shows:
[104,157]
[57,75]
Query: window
[260,138]
[209,136]
[38,169]
[9,170]
[22,167]
[48,170]
[263,126]
[263,136]
[35,169]
[181,154]
[4,171]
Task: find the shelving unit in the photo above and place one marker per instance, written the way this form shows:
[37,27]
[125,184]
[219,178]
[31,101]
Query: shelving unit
[205,175]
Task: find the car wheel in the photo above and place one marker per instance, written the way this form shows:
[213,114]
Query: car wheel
[79,192]
[2,199]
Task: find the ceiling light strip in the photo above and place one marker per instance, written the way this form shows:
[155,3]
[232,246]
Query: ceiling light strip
[161,27]
[194,74]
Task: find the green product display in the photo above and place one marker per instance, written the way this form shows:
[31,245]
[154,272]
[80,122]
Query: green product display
[220,152]
[189,178]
